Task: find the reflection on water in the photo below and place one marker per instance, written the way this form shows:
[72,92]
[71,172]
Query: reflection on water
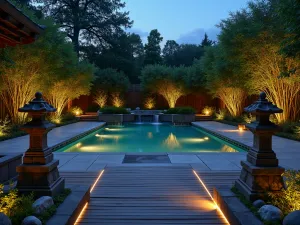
[171,141]
[149,138]
[227,148]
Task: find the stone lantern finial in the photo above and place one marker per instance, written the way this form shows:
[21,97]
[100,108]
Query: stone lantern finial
[39,173]
[261,173]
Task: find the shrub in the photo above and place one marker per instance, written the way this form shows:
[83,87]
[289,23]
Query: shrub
[92,108]
[117,101]
[181,110]
[101,98]
[221,114]
[113,110]
[149,103]
[208,110]
[297,130]
[76,111]
[4,126]
[247,118]
[67,117]
[289,199]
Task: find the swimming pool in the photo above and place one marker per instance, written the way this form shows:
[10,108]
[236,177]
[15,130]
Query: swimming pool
[149,138]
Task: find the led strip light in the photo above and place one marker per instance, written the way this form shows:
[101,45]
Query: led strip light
[207,191]
[86,204]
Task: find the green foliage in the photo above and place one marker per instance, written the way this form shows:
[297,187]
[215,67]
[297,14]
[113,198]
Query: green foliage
[206,42]
[92,108]
[208,110]
[221,114]
[76,111]
[113,110]
[86,25]
[152,48]
[110,80]
[289,199]
[181,110]
[247,118]
[4,126]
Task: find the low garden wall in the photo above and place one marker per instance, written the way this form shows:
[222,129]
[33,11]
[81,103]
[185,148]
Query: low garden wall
[177,118]
[8,164]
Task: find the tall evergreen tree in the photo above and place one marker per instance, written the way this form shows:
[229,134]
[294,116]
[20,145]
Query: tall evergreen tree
[206,41]
[88,21]
[152,48]
[169,51]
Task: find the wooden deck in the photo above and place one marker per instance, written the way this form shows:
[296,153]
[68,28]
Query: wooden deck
[153,195]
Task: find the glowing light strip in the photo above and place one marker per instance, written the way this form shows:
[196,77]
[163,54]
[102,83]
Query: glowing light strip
[207,191]
[96,181]
[82,211]
[86,204]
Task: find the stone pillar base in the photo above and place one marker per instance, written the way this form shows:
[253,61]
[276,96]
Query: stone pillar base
[255,181]
[40,179]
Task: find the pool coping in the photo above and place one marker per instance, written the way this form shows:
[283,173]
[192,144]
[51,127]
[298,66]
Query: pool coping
[224,138]
[75,138]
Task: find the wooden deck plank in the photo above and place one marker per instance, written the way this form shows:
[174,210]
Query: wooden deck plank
[152,195]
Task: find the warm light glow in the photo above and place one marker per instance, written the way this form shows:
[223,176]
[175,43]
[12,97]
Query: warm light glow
[78,145]
[117,100]
[86,204]
[194,140]
[92,188]
[81,213]
[207,191]
[227,148]
[101,98]
[77,113]
[241,129]
[150,135]
[206,138]
[171,141]
[149,103]
[206,112]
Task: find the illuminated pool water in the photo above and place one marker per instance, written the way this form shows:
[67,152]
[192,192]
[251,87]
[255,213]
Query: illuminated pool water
[149,138]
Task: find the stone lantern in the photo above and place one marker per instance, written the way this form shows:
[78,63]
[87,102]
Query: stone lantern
[39,173]
[261,173]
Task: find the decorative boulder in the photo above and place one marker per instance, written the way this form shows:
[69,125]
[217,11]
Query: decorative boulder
[292,218]
[41,204]
[31,220]
[4,219]
[258,203]
[270,213]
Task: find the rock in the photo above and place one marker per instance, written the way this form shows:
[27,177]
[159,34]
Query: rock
[41,204]
[258,203]
[4,219]
[31,220]
[292,218]
[270,213]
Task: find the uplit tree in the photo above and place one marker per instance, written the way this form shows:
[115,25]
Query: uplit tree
[222,81]
[166,81]
[100,98]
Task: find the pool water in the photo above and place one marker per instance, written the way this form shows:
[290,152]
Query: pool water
[149,138]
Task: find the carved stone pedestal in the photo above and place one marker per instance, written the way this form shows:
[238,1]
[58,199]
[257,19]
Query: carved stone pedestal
[261,173]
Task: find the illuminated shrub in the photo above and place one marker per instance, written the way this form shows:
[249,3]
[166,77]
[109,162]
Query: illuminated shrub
[76,111]
[247,118]
[101,98]
[221,114]
[208,110]
[4,125]
[149,103]
[117,101]
[289,199]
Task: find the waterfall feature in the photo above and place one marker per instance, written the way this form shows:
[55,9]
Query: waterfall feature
[156,118]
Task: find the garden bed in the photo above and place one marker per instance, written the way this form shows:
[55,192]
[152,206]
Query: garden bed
[287,135]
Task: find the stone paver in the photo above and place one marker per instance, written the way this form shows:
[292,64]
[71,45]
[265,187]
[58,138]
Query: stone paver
[55,136]
[287,151]
[184,158]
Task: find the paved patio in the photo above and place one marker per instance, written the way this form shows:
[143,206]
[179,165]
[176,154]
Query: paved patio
[288,151]
[55,136]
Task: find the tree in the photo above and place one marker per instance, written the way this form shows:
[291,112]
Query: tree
[42,65]
[152,48]
[170,49]
[166,81]
[252,40]
[288,12]
[88,21]
[110,82]
[125,54]
[222,81]
[206,42]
